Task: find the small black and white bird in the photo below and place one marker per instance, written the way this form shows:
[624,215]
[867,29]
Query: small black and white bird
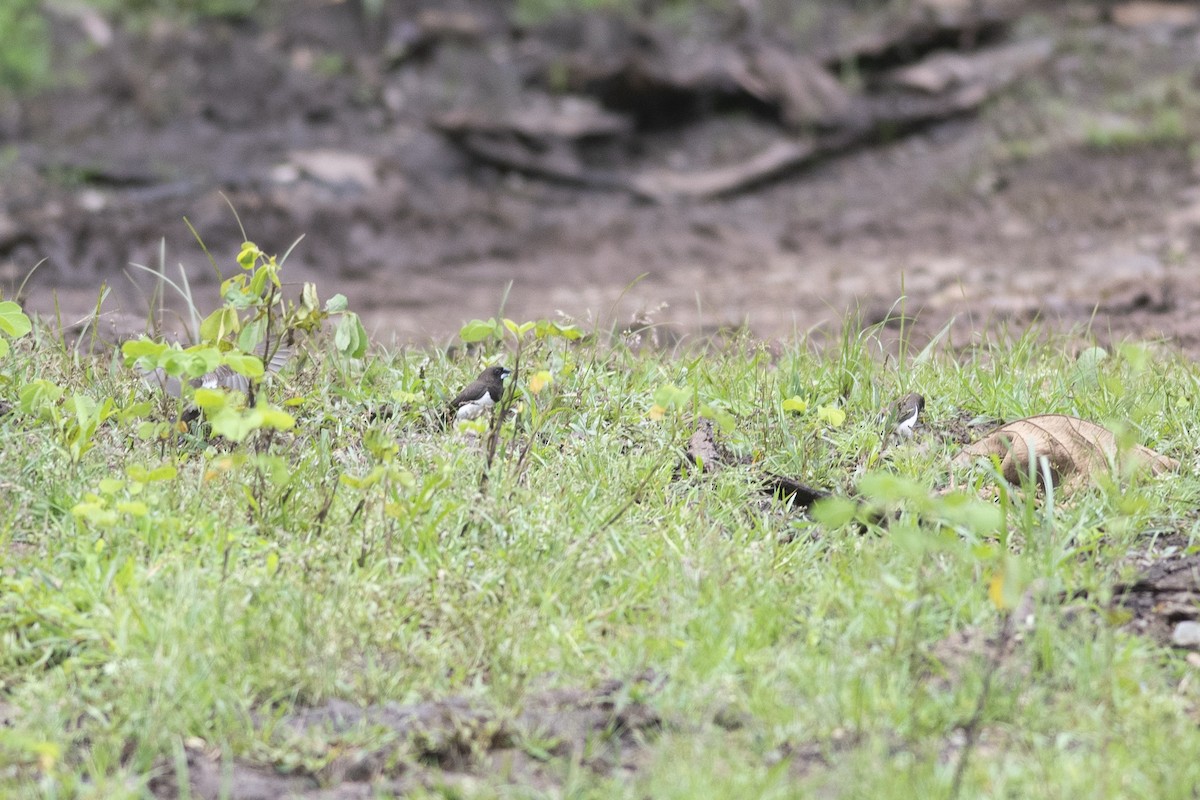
[905,414]
[481,395]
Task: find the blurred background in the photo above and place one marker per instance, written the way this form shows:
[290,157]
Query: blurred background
[696,165]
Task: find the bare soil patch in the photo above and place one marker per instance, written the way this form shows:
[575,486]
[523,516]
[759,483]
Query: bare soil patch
[448,743]
[1164,598]
[331,125]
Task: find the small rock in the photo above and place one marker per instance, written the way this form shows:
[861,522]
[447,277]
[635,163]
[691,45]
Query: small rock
[336,168]
[1186,634]
[1155,14]
[91,200]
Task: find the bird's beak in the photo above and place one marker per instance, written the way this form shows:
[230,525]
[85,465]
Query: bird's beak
[504,373]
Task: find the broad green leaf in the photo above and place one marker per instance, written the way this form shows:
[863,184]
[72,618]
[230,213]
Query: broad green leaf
[111,485]
[1087,366]
[94,513]
[134,508]
[233,425]
[83,407]
[259,282]
[796,404]
[135,411]
[271,417]
[350,337]
[333,305]
[218,324]
[832,415]
[211,400]
[248,255]
[252,335]
[38,397]
[345,337]
[139,348]
[1137,355]
[148,431]
[245,364]
[886,487]
[137,472]
[192,362]
[276,468]
[235,292]
[671,396]
[166,472]
[477,330]
[13,320]
[834,512]
[310,304]
[545,328]
[970,512]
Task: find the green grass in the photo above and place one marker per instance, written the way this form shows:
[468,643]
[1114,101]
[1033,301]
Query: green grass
[25,57]
[27,63]
[230,597]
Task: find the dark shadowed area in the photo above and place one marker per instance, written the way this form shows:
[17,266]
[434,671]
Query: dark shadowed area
[768,164]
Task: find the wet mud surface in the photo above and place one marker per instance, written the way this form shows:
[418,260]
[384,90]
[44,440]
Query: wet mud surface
[333,127]
[453,744]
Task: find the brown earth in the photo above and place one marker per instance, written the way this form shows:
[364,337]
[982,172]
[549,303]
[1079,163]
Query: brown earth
[321,124]
[451,743]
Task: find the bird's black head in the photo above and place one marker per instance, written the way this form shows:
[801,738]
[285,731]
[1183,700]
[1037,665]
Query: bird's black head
[497,373]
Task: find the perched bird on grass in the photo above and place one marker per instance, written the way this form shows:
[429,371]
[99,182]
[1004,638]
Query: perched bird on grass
[481,395]
[904,415]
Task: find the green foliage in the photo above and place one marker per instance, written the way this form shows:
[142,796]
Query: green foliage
[159,592]
[13,325]
[494,329]
[142,9]
[235,423]
[77,420]
[25,55]
[249,327]
[26,61]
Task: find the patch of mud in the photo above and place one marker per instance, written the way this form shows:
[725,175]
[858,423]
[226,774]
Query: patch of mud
[1000,647]
[321,123]
[813,756]
[323,752]
[1164,599]
[962,427]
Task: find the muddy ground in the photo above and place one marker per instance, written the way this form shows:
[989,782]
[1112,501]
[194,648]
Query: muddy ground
[1047,201]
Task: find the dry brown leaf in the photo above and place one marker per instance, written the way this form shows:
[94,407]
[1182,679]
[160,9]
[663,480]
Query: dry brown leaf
[1075,449]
